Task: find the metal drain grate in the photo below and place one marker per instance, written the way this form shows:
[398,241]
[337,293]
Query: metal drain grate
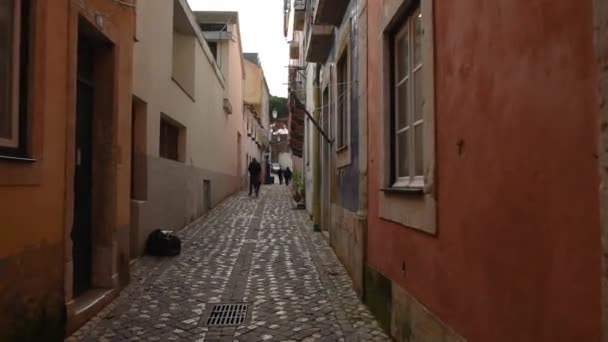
[227,315]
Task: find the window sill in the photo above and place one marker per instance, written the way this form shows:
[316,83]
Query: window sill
[342,149]
[406,190]
[17,159]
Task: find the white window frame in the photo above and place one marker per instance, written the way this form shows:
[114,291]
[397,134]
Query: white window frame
[343,153]
[412,180]
[343,99]
[15,67]
[411,207]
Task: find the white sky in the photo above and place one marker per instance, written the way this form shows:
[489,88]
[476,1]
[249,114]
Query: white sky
[262,32]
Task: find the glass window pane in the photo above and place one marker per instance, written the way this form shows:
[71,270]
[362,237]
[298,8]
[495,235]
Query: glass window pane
[417,38]
[402,55]
[6,50]
[418,95]
[418,150]
[403,167]
[402,102]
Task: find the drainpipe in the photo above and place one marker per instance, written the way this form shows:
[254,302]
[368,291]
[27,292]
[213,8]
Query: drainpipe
[316,171]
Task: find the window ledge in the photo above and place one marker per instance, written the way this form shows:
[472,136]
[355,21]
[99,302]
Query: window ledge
[407,190]
[17,159]
[183,89]
[342,149]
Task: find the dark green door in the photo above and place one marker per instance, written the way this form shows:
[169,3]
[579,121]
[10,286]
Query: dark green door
[81,230]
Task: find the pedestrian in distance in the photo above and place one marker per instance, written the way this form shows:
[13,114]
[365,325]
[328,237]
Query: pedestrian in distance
[255,170]
[280,174]
[287,174]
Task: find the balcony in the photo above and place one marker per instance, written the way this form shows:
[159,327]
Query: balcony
[320,40]
[330,12]
[297,80]
[299,15]
[294,49]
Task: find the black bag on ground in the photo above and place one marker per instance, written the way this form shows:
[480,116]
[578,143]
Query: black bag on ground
[163,243]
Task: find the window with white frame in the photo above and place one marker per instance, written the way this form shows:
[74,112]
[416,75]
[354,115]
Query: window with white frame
[342,101]
[408,103]
[13,52]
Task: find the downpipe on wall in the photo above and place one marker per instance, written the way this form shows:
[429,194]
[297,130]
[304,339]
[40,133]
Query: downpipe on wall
[316,175]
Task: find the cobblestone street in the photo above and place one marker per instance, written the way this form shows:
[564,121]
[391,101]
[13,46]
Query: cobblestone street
[253,251]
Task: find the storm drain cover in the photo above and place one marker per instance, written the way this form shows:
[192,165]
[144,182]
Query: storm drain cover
[227,315]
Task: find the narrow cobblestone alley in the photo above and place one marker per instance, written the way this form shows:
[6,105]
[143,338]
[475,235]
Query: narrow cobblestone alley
[254,251]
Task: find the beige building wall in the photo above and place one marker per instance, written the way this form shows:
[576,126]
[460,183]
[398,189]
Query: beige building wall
[175,193]
[236,85]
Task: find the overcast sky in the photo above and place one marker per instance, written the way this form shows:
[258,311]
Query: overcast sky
[262,31]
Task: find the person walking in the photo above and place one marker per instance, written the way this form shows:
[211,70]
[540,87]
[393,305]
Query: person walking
[255,169]
[280,174]
[287,174]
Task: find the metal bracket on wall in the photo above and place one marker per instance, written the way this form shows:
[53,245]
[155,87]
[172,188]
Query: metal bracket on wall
[329,141]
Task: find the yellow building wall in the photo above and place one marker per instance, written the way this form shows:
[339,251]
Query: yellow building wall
[253,85]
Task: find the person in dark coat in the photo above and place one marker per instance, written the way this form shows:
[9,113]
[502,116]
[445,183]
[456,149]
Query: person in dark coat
[280,174]
[255,169]
[287,174]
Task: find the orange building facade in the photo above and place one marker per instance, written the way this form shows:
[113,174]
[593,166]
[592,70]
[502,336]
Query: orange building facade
[65,127]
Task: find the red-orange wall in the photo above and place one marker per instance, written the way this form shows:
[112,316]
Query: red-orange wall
[517,255]
[33,209]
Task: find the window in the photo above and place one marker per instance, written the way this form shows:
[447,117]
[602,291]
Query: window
[407,54]
[169,140]
[408,103]
[213,48]
[342,119]
[14,23]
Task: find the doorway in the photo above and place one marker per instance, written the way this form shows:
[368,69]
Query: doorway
[207,194]
[239,165]
[94,160]
[600,8]
[139,182]
[83,178]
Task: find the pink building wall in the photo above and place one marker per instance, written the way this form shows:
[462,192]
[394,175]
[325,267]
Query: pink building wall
[517,254]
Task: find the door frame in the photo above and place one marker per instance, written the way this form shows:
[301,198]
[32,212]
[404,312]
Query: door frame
[600,25]
[83,199]
[138,173]
[105,155]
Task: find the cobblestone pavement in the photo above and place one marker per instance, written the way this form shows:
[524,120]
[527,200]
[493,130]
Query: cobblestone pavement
[254,251]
